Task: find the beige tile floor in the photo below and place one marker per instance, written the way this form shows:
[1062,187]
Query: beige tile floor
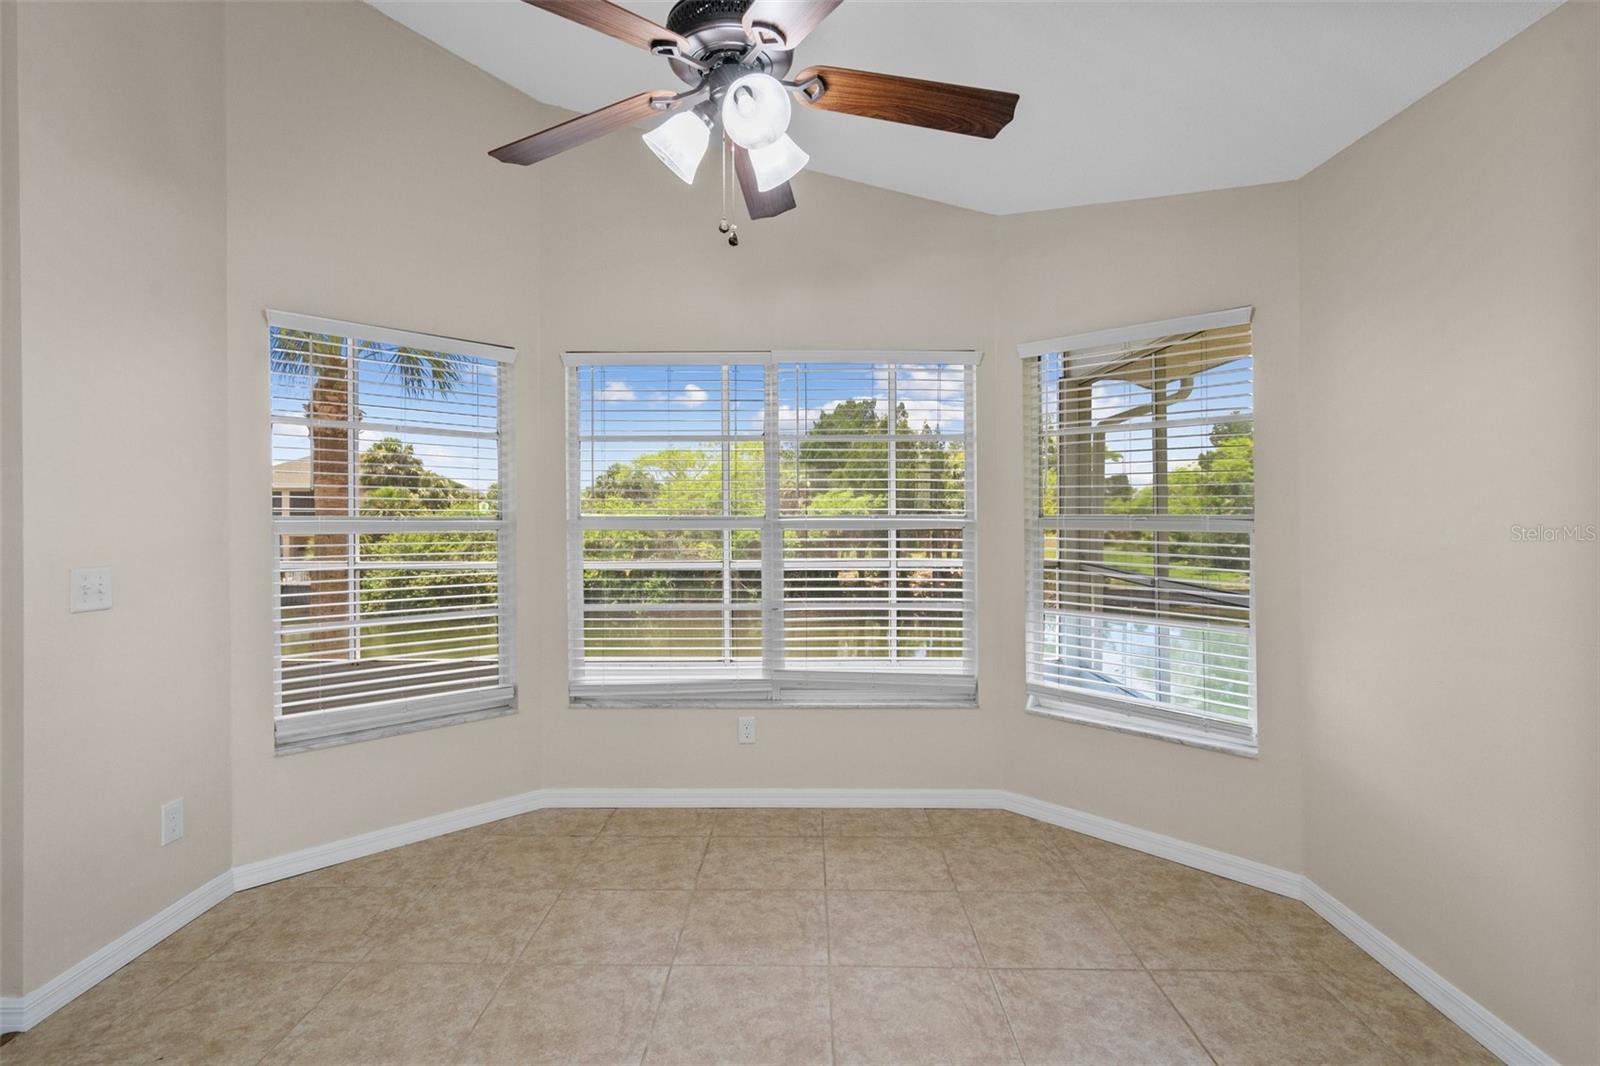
[753,936]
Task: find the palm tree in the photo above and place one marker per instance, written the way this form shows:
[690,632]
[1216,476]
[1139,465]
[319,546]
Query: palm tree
[330,362]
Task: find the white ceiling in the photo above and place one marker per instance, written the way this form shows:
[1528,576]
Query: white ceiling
[1119,100]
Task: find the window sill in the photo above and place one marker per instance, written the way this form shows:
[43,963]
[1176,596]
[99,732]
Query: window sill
[392,729]
[1189,736]
[758,705]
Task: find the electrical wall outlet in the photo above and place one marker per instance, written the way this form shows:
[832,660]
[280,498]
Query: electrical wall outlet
[171,821]
[91,589]
[747,730]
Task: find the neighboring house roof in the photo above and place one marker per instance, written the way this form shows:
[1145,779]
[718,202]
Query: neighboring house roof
[293,474]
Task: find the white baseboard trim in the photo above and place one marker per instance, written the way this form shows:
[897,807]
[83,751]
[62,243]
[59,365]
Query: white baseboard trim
[24,1012]
[251,874]
[1473,1017]
[1221,863]
[774,797]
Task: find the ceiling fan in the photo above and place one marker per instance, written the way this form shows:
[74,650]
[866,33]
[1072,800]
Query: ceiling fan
[735,55]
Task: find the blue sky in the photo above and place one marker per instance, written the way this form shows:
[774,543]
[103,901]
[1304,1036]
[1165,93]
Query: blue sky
[470,405]
[686,400]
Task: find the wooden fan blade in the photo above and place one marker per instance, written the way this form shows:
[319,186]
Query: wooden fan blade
[584,128]
[934,104]
[760,204]
[792,19]
[614,20]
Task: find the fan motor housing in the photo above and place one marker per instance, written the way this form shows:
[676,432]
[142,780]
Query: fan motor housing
[714,30]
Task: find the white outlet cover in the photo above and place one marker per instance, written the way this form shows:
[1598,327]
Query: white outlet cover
[91,589]
[171,821]
[747,730]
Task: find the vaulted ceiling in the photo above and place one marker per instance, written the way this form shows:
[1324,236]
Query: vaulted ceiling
[1119,100]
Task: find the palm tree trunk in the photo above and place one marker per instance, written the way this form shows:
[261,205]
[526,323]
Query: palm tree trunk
[330,487]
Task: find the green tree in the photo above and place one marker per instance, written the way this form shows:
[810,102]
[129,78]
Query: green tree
[1220,482]
[824,478]
[622,487]
[395,482]
[329,362]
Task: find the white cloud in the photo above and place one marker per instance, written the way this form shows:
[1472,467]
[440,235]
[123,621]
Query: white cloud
[932,396]
[693,395]
[617,391]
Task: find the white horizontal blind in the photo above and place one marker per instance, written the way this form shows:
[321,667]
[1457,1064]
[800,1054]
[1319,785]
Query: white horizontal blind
[1140,514]
[771,527]
[392,525]
[666,497]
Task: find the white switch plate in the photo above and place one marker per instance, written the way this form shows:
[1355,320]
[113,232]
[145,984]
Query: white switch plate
[91,589]
[171,821]
[747,730]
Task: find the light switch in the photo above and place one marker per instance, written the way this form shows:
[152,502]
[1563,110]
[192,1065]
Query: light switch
[91,589]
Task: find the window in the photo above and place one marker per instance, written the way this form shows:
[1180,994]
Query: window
[789,527]
[391,511]
[1140,508]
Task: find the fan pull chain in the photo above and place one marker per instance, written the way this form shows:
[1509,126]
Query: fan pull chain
[730,228]
[722,176]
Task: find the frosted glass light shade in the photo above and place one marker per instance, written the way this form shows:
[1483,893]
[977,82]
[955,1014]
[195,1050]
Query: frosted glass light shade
[680,143]
[777,162]
[755,111]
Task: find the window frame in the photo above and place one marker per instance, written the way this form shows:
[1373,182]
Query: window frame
[313,729]
[777,684]
[1127,714]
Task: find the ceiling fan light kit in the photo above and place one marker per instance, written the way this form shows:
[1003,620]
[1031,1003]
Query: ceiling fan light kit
[681,142]
[734,55]
[755,110]
[777,162]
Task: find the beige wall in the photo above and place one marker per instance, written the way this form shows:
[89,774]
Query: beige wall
[358,188]
[1450,349]
[10,523]
[633,260]
[1086,268]
[122,254]
[598,249]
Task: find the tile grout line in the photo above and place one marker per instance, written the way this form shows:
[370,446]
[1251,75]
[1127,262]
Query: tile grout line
[287,1033]
[334,986]
[677,943]
[1350,1010]
[144,1003]
[1143,966]
[661,998]
[1181,1016]
[466,1037]
[983,958]
[827,953]
[515,959]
